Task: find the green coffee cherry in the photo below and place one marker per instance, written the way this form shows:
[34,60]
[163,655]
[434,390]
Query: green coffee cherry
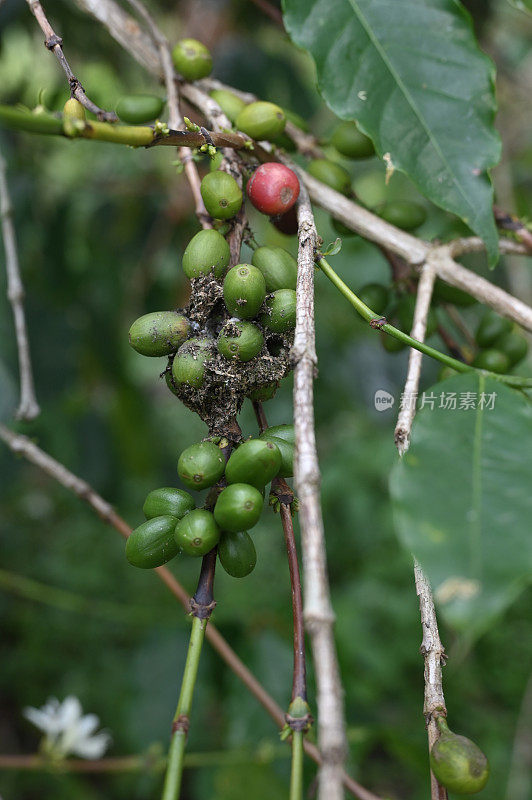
[451,294]
[221,194]
[403,214]
[159,333]
[238,507]
[350,142]
[491,327]
[255,462]
[375,296]
[278,266]
[264,392]
[197,533]
[285,432]
[286,470]
[492,360]
[188,368]
[168,377]
[331,174]
[405,312]
[168,502]
[261,120]
[206,252]
[201,465]
[216,162]
[391,344]
[137,108]
[342,229]
[244,291]
[237,553]
[513,345]
[192,59]
[230,104]
[457,762]
[241,341]
[74,109]
[280,316]
[152,543]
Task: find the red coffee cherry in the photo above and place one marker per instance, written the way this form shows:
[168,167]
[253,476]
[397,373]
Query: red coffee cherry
[273,188]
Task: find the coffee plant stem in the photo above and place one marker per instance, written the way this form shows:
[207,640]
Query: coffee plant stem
[174,771]
[367,314]
[54,43]
[28,407]
[296,774]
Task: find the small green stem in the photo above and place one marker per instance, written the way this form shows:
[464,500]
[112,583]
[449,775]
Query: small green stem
[174,772]
[370,316]
[296,775]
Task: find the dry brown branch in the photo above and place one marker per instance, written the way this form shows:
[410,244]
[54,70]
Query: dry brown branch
[54,43]
[318,613]
[28,408]
[408,408]
[433,653]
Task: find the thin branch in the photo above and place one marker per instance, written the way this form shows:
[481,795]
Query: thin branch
[318,612]
[28,407]
[474,244]
[175,119]
[54,43]
[419,327]
[433,653]
[23,446]
[509,222]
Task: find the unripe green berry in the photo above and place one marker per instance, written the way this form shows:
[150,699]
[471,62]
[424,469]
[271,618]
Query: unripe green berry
[197,533]
[265,392]
[457,762]
[451,294]
[167,501]
[192,59]
[137,108]
[350,142]
[261,120]
[255,462]
[391,344]
[74,109]
[331,174]
[280,316]
[241,341]
[206,252]
[216,162]
[285,432]
[159,333]
[221,194]
[244,291]
[492,360]
[237,553]
[283,437]
[514,345]
[404,214]
[342,229]
[201,465]
[152,543]
[491,327]
[405,312]
[375,296]
[278,266]
[188,368]
[230,104]
[238,507]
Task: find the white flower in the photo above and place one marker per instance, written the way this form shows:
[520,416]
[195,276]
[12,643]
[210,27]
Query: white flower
[67,730]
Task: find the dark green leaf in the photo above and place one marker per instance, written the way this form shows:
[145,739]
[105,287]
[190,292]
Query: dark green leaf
[411,74]
[463,501]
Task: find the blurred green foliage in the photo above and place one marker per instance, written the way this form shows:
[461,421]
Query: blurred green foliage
[101,231]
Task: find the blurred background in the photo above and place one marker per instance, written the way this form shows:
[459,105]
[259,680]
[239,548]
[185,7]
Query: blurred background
[101,231]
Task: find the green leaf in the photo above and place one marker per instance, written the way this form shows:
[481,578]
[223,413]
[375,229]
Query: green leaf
[462,498]
[410,72]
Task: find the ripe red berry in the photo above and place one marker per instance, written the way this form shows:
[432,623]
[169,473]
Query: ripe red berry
[273,188]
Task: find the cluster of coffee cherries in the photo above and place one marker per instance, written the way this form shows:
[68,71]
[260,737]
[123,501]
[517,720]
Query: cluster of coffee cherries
[233,506]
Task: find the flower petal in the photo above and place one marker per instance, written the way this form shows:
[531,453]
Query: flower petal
[92,746]
[70,712]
